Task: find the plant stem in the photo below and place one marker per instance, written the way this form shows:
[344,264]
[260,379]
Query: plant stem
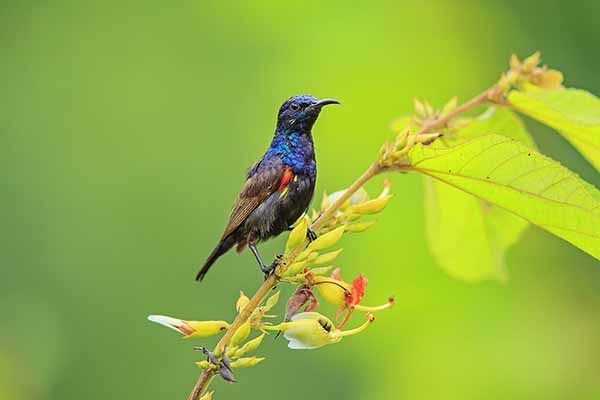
[442,121]
[374,169]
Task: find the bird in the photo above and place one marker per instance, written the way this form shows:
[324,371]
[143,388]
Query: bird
[279,187]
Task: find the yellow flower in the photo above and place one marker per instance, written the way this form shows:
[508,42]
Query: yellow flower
[242,301]
[332,290]
[336,291]
[190,328]
[311,330]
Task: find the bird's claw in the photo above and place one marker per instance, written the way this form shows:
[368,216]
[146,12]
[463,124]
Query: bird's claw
[268,270]
[311,235]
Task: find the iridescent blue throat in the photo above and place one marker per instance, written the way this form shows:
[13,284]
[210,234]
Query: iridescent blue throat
[296,150]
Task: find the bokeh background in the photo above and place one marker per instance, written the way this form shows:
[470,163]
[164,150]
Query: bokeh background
[126,128]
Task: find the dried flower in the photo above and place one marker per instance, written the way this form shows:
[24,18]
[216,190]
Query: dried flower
[300,297]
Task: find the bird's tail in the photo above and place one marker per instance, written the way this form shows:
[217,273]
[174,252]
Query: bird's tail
[223,246]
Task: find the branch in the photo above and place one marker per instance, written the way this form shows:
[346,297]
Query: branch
[374,169]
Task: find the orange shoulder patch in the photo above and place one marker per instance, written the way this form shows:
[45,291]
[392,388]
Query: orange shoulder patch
[287,177]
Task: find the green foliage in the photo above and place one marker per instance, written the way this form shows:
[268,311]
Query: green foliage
[494,158]
[573,113]
[469,236]
[506,173]
[498,120]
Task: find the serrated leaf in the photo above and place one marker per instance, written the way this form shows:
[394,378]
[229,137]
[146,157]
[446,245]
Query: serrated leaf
[515,177]
[574,113]
[468,236]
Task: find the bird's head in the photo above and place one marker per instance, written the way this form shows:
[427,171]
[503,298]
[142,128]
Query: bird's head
[300,112]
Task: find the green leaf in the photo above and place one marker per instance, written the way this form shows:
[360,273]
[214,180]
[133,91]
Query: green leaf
[469,236]
[573,113]
[500,121]
[506,173]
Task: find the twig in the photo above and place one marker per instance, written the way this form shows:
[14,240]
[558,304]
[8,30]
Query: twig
[374,169]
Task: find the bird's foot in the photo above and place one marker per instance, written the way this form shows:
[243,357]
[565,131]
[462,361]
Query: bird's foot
[311,235]
[268,270]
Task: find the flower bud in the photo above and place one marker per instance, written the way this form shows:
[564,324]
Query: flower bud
[231,351]
[503,83]
[207,396]
[514,62]
[246,362]
[360,226]
[419,107]
[272,301]
[530,62]
[357,197]
[320,270]
[241,334]
[190,328]
[303,255]
[241,302]
[204,364]
[296,268]
[372,206]
[449,106]
[550,79]
[325,203]
[328,239]
[297,235]
[250,345]
[298,278]
[326,258]
[332,290]
[428,108]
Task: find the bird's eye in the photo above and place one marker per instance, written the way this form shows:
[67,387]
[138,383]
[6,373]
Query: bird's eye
[294,106]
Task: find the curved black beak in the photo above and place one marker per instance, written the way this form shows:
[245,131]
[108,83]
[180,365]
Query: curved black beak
[324,102]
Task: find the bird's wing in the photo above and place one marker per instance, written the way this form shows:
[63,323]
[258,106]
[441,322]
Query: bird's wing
[266,179]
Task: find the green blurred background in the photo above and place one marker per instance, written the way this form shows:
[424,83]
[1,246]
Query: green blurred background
[125,131]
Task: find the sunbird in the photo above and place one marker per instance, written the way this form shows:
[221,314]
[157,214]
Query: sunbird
[278,187]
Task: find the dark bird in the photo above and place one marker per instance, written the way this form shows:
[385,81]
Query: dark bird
[279,187]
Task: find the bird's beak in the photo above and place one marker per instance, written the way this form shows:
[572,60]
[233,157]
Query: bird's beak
[324,102]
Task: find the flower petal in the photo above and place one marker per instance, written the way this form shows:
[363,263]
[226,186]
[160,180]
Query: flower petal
[358,289]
